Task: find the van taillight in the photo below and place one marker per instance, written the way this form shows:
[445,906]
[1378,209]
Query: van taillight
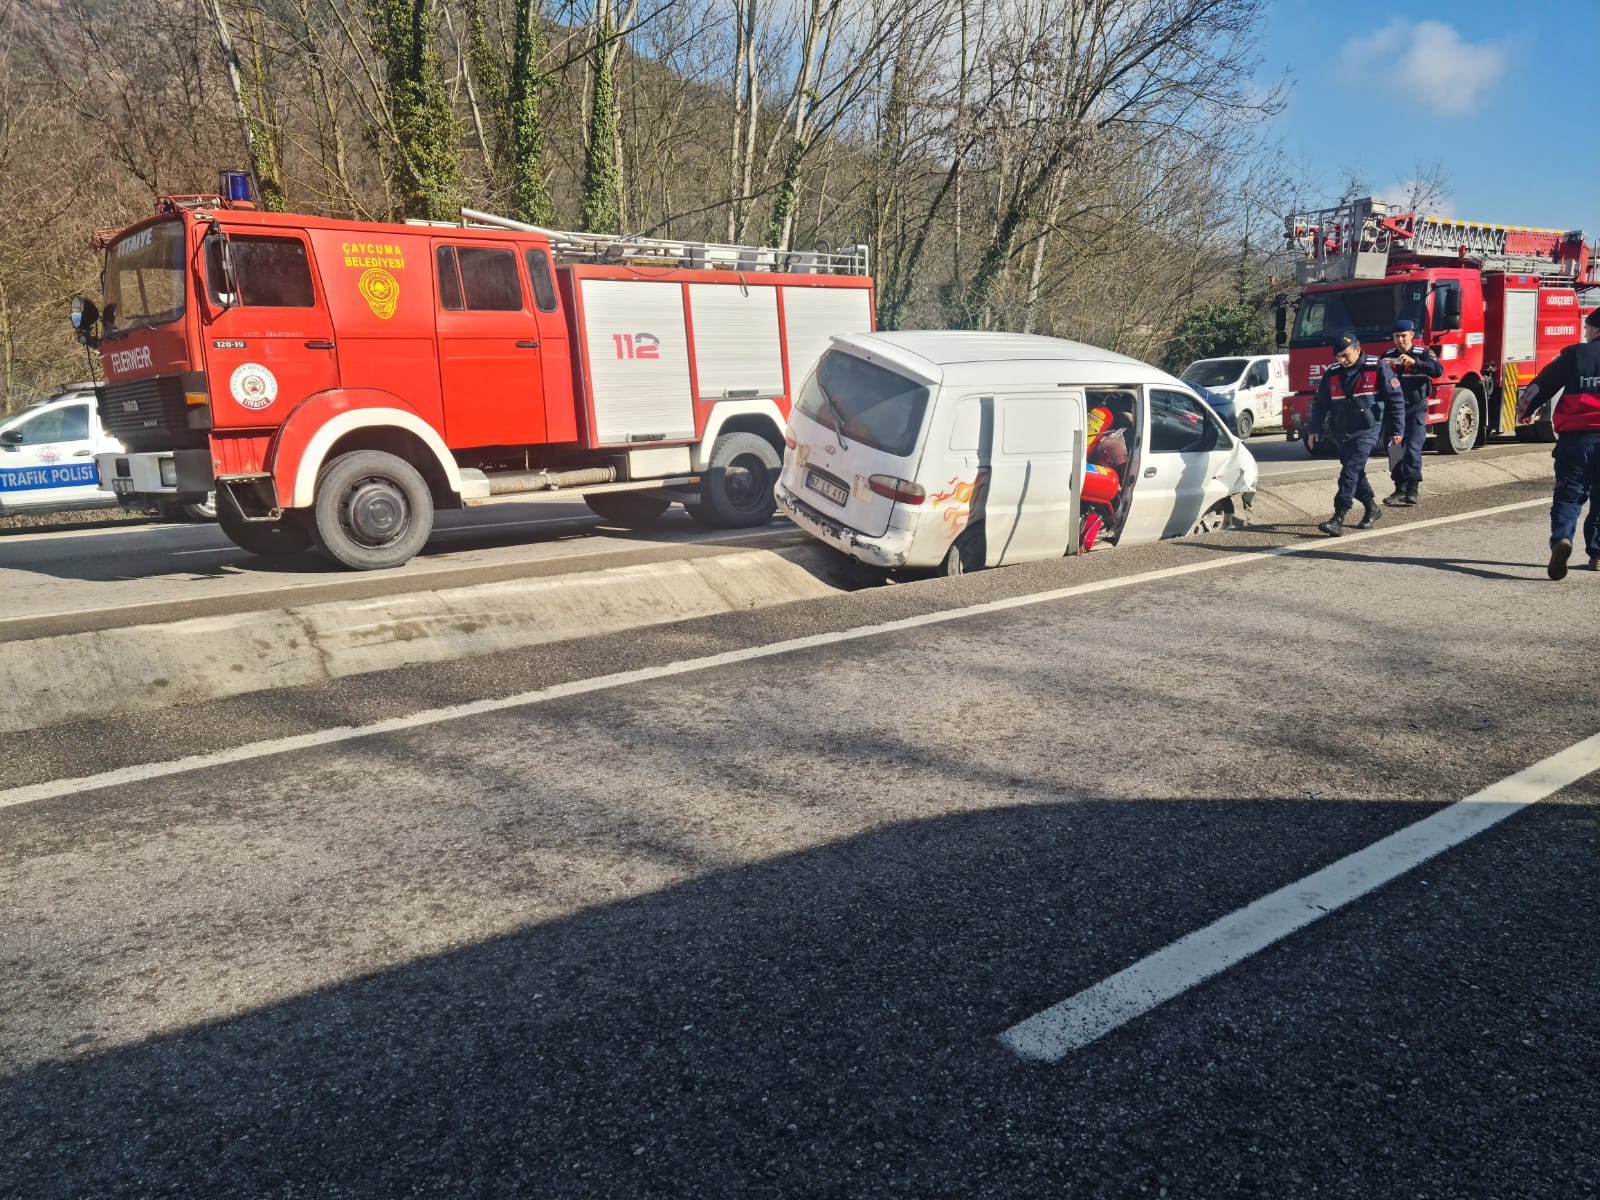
[902,490]
[788,438]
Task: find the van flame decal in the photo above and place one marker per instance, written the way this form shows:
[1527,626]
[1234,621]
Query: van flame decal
[960,497]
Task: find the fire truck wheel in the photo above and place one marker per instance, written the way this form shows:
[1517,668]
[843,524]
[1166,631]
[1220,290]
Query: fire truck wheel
[1459,433]
[736,489]
[372,510]
[269,539]
[628,509]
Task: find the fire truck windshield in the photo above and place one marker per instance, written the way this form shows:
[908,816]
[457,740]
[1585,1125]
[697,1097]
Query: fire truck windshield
[1370,311]
[144,278]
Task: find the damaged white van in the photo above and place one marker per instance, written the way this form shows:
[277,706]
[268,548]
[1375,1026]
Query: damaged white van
[955,450]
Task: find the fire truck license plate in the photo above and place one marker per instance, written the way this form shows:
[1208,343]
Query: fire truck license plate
[828,488]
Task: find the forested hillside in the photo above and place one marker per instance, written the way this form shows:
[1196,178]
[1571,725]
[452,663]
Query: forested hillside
[1087,168]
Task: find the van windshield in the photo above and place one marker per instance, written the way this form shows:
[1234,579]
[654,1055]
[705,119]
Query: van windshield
[865,403]
[1214,372]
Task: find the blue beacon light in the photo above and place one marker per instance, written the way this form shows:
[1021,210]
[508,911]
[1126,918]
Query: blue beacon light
[236,186]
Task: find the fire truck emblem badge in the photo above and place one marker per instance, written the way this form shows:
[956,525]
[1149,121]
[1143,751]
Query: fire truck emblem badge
[253,386]
[381,292]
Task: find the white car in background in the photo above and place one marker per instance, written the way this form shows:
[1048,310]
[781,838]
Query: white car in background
[1257,385]
[47,459]
[47,455]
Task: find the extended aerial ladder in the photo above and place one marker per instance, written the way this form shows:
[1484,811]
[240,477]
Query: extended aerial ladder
[1360,239]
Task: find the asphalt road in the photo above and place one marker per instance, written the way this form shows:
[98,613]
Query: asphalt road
[751,918]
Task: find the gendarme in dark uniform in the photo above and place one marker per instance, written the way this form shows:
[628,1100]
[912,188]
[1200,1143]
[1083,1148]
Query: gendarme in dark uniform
[1576,374]
[1417,367]
[1357,400]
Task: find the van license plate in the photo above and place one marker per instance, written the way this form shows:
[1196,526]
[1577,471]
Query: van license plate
[122,487]
[827,487]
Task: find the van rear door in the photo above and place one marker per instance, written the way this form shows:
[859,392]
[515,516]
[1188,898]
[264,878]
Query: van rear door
[1030,509]
[858,431]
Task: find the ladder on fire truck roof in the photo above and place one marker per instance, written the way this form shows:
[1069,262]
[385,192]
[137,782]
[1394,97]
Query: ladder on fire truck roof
[663,252]
[1356,240]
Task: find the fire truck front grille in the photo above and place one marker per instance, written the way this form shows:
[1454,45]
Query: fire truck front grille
[149,414]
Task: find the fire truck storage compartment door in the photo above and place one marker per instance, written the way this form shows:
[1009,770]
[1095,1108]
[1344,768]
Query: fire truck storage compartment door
[1522,325]
[812,315]
[736,350]
[637,345]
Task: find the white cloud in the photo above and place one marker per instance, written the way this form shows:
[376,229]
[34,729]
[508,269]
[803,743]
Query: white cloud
[1428,62]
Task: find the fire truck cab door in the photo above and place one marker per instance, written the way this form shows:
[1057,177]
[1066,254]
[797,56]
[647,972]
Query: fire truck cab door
[268,336]
[490,369]
[1183,466]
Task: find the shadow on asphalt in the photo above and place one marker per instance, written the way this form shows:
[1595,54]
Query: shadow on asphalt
[825,1025]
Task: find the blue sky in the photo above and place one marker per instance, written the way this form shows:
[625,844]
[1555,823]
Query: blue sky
[1497,91]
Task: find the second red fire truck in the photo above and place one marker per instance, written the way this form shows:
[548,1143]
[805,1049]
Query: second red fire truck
[1495,302]
[336,382]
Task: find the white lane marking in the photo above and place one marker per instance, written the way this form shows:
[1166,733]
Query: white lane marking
[218,550]
[1094,1012]
[31,793]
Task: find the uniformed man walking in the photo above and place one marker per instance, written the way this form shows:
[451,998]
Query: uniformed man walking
[1577,455]
[1356,400]
[1417,367]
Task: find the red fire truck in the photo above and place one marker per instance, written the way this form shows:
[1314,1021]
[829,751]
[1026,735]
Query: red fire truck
[336,382]
[1495,302]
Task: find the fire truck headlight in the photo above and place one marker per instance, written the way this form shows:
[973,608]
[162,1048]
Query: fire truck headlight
[169,473]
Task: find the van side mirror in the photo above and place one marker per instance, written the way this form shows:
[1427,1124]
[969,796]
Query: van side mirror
[85,316]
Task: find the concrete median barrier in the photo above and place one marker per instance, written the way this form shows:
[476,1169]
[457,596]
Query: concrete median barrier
[144,667]
[1312,499]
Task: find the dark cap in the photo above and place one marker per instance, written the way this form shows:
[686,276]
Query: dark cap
[1344,341]
[1593,318]
[1404,327]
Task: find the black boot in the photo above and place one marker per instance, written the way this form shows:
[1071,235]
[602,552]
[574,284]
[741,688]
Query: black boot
[1398,496]
[1334,525]
[1370,512]
[1411,491]
[1560,551]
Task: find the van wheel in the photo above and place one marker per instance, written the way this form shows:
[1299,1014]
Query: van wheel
[270,539]
[965,554]
[1459,433]
[1245,424]
[1215,519]
[628,509]
[736,487]
[373,510]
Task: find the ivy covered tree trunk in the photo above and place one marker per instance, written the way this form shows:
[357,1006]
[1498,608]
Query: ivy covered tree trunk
[601,208]
[530,197]
[788,191]
[425,169]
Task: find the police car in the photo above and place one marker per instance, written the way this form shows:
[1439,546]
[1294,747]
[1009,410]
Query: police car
[47,455]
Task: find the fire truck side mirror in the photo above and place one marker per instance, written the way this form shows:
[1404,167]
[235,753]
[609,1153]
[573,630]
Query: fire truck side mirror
[1446,307]
[85,316]
[1280,317]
